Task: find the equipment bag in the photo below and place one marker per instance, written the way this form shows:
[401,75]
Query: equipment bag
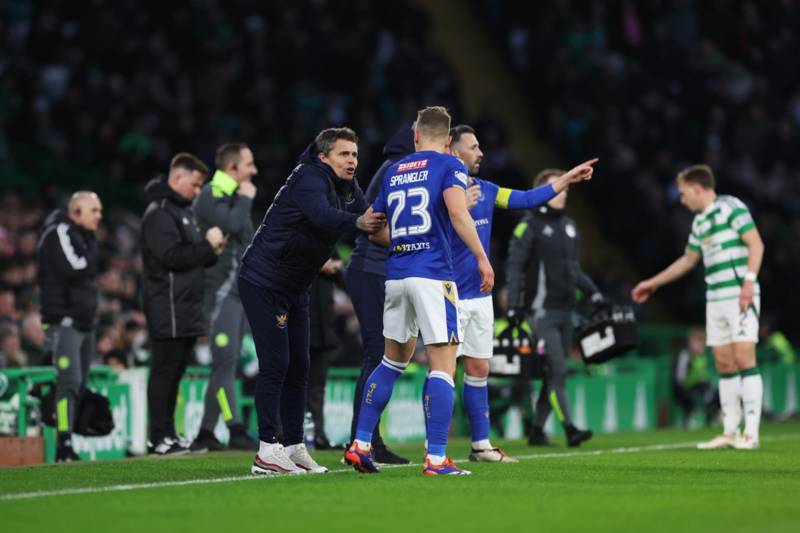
[610,333]
[514,355]
[93,419]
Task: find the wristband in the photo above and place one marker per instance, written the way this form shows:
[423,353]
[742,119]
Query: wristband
[750,276]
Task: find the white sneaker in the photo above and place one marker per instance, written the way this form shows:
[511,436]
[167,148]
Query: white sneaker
[491,455]
[719,442]
[298,453]
[746,442]
[274,462]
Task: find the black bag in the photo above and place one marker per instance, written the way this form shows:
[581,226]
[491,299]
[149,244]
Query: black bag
[610,333]
[94,418]
[514,355]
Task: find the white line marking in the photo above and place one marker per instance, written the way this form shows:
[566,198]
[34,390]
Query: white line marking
[186,482]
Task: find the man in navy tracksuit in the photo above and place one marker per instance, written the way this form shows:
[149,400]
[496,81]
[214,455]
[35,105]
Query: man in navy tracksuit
[365,276]
[319,202]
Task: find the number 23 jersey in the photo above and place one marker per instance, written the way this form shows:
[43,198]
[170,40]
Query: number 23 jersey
[420,230]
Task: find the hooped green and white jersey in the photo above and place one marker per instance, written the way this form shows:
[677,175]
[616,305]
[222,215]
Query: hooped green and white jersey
[717,235]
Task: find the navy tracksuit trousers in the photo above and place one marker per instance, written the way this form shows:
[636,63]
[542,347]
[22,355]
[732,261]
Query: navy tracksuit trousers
[280,326]
[367,292]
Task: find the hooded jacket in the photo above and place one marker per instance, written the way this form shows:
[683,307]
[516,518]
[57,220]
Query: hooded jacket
[300,229]
[543,269]
[367,256]
[67,256]
[174,253]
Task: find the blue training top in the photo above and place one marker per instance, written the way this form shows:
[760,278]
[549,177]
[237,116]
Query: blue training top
[420,230]
[468,279]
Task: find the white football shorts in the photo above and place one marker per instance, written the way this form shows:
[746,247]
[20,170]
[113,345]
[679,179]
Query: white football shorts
[421,305]
[726,323]
[477,327]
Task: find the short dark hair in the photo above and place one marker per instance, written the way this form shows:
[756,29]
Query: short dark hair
[699,174]
[433,122]
[190,162]
[328,137]
[229,153]
[458,131]
[544,176]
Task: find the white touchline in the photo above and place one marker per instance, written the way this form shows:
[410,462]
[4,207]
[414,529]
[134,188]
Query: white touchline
[142,486]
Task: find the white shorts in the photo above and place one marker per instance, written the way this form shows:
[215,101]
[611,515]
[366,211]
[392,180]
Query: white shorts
[477,325]
[726,324]
[421,305]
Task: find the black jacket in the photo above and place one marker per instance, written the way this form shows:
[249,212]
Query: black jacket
[301,227]
[543,269]
[67,257]
[368,256]
[174,253]
[219,205]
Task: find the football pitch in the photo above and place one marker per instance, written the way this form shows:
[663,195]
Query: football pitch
[653,481]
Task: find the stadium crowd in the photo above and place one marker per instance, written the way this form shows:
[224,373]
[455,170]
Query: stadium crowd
[654,86]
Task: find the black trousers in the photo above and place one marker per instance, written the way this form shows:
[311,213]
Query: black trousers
[317,379]
[367,292]
[280,327]
[169,362]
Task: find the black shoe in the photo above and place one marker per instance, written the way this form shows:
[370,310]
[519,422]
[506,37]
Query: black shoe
[206,442]
[323,444]
[65,453]
[240,439]
[576,436]
[382,454]
[538,438]
[169,446]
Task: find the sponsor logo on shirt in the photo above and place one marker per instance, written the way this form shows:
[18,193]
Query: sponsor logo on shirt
[412,165]
[570,230]
[411,247]
[481,222]
[461,177]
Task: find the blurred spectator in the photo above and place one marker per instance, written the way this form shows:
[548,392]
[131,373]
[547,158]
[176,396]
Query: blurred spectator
[33,340]
[691,379]
[11,354]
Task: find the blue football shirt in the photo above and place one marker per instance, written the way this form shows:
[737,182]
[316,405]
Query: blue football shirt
[468,279]
[420,230]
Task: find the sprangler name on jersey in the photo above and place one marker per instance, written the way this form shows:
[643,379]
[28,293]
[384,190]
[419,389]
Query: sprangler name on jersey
[408,177]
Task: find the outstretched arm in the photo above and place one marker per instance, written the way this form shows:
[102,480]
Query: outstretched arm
[644,289]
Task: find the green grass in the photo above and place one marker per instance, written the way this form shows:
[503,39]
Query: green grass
[596,488]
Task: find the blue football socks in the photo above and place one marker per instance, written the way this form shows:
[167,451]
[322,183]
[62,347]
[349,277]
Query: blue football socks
[377,391]
[476,406]
[439,399]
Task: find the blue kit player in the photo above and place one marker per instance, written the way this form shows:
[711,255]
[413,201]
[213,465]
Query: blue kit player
[423,197]
[475,304]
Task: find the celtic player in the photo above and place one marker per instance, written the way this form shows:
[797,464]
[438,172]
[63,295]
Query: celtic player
[724,233]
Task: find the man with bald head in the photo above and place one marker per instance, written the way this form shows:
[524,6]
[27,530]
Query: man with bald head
[67,255]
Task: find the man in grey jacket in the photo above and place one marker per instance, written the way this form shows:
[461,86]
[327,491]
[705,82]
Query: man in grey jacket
[543,273]
[226,202]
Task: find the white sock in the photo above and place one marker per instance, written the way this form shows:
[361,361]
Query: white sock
[730,400]
[265,448]
[363,444]
[436,459]
[752,395]
[482,445]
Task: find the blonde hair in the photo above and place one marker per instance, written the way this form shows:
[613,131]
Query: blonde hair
[433,122]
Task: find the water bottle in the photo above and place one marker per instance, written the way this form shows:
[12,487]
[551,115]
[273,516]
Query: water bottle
[308,430]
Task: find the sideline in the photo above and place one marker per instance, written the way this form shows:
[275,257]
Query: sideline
[211,481]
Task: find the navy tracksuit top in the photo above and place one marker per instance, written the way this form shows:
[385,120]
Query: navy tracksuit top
[300,229]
